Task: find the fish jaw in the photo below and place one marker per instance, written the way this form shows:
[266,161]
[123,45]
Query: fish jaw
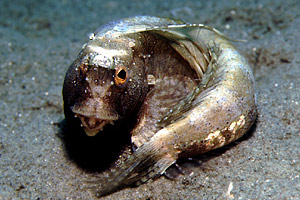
[92,126]
[94,118]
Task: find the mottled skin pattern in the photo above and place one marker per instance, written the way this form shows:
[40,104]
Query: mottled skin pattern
[174,80]
[191,89]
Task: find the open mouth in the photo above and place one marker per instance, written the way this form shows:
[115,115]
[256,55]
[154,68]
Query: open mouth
[94,115]
[93,125]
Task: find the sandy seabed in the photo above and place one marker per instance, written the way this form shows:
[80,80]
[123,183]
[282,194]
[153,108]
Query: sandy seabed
[40,39]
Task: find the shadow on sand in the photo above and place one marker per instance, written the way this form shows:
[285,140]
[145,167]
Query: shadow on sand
[95,153]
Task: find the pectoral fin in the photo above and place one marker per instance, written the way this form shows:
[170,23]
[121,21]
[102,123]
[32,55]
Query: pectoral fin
[146,164]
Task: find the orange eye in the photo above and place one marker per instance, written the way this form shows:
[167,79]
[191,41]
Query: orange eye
[121,76]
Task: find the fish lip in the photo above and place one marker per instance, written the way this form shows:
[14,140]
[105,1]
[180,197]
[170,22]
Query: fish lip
[92,125]
[101,114]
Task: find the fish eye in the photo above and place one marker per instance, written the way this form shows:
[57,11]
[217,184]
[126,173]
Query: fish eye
[121,76]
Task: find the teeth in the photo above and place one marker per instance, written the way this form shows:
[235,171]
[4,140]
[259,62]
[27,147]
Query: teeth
[92,126]
[91,132]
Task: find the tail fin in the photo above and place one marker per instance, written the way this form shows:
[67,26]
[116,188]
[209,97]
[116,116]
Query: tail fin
[147,163]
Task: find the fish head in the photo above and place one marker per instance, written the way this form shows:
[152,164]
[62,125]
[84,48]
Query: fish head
[104,84]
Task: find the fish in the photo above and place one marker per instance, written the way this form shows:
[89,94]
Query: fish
[187,85]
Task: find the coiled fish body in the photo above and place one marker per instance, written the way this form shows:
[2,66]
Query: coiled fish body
[215,104]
